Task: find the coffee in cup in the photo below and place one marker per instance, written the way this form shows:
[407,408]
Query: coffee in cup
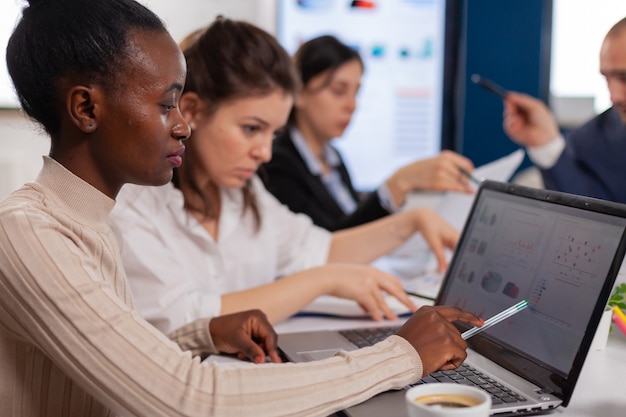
[447,399]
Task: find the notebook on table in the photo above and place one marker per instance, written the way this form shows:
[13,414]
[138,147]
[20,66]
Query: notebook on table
[553,249]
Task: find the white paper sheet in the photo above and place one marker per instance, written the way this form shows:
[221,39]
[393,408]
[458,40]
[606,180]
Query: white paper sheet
[414,258]
[455,207]
[327,305]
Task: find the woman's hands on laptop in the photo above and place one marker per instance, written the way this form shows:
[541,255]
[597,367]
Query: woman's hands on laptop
[431,332]
[367,286]
[438,233]
[248,334]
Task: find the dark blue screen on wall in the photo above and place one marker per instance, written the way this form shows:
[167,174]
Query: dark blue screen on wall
[509,43]
[506,41]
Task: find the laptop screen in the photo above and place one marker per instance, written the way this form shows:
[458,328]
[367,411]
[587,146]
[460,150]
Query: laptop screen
[559,252]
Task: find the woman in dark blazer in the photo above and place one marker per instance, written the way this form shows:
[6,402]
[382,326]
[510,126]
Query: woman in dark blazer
[290,180]
[308,174]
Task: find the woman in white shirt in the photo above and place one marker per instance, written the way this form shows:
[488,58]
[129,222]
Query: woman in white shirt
[214,241]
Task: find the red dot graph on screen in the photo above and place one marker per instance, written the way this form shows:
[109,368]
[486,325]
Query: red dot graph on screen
[577,254]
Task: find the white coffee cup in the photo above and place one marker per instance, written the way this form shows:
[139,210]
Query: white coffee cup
[447,399]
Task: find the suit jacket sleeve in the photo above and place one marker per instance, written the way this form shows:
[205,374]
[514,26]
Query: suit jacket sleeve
[592,162]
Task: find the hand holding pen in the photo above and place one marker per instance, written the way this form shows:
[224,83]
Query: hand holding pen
[490,86]
[527,120]
[435,174]
[469,176]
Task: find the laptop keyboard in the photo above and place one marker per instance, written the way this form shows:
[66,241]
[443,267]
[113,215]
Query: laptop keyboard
[465,374]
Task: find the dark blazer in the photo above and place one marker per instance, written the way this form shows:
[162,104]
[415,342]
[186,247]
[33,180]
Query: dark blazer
[594,160]
[289,179]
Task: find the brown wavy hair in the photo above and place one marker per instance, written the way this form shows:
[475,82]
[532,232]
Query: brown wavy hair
[226,61]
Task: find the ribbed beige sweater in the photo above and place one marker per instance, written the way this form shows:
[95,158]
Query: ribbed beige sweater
[71,343]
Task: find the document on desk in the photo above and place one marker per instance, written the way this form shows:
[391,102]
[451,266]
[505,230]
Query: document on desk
[425,285]
[330,306]
[455,207]
[413,262]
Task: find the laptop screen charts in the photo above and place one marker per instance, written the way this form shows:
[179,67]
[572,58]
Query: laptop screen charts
[557,257]
[560,252]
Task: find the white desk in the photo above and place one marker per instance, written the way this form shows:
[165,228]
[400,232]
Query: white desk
[600,389]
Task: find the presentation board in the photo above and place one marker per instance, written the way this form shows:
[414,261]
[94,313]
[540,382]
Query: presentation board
[400,104]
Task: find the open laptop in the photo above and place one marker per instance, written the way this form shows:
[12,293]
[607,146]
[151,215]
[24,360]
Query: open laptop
[558,251]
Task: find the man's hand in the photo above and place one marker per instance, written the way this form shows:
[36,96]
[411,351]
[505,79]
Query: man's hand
[434,337]
[248,334]
[527,121]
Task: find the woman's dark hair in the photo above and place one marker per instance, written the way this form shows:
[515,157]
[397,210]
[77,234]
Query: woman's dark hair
[227,61]
[82,39]
[319,55]
[322,54]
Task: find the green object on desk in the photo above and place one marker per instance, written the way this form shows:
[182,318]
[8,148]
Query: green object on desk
[617,297]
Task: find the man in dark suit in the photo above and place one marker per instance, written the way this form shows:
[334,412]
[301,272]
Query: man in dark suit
[591,159]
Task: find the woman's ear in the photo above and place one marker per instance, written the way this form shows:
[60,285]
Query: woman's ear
[191,106]
[300,100]
[83,107]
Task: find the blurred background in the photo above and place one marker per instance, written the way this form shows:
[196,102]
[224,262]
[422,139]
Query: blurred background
[417,97]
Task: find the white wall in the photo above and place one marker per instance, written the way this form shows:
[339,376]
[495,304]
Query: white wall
[22,143]
[184,16]
[21,147]
[579,27]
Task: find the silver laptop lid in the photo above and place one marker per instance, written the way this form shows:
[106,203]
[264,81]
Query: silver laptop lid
[558,251]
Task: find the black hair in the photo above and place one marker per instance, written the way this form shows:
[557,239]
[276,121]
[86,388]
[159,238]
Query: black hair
[322,54]
[82,39]
[318,55]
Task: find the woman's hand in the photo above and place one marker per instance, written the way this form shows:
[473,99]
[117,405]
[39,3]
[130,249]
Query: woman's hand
[367,286]
[439,173]
[439,344]
[527,121]
[248,334]
[438,233]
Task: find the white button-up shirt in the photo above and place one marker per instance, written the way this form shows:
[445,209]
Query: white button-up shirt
[176,269]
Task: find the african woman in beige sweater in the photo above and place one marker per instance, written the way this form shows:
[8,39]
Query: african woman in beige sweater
[103,78]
